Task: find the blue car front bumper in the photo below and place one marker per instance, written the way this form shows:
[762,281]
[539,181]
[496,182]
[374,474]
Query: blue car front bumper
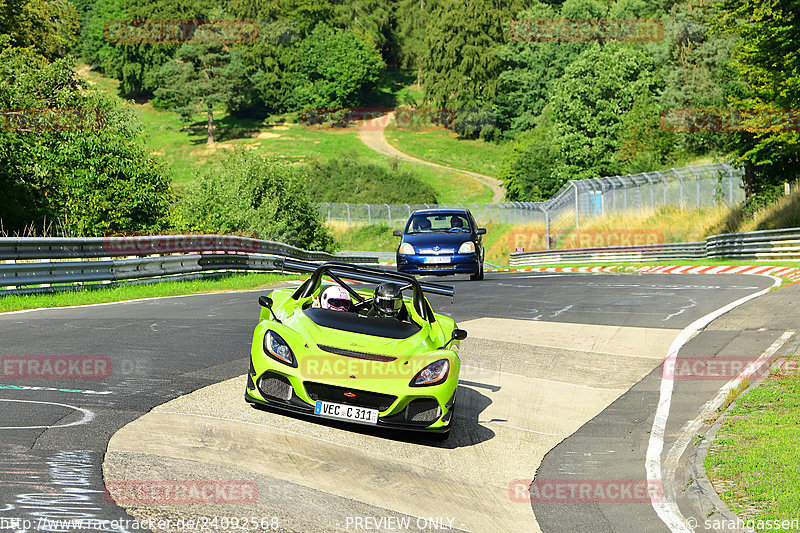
[421,265]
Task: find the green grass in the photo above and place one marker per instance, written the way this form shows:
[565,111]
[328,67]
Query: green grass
[182,147]
[444,147]
[234,282]
[753,459]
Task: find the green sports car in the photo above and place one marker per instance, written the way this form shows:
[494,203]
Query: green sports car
[386,360]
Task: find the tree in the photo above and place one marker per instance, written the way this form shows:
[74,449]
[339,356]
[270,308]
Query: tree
[461,66]
[596,91]
[411,19]
[71,154]
[529,164]
[51,28]
[202,76]
[333,68]
[767,60]
[257,195]
[532,68]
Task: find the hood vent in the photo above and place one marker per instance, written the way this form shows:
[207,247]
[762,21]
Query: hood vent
[357,355]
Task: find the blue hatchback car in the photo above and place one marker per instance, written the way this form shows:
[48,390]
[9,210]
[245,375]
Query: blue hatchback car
[439,242]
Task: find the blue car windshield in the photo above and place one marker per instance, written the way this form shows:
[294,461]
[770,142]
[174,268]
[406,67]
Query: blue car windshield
[438,224]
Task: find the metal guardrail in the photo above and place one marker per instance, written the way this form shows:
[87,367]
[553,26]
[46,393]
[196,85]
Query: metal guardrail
[48,261]
[625,254]
[773,245]
[769,245]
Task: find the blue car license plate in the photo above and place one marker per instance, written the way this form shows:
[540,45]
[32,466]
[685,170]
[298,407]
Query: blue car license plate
[438,260]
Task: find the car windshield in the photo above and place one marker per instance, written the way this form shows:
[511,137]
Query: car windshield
[438,223]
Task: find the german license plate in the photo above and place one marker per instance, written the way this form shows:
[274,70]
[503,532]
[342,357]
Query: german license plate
[346,412]
[439,259]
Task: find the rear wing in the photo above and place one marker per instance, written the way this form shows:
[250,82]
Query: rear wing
[338,270]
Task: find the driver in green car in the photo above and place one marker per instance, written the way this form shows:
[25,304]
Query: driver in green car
[387,302]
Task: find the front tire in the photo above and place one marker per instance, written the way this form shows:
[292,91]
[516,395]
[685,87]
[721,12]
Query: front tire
[478,276]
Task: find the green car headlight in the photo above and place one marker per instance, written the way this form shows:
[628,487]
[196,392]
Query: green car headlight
[433,374]
[278,348]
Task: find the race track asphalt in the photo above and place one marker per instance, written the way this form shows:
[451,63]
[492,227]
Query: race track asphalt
[549,356]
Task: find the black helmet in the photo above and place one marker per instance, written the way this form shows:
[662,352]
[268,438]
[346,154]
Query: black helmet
[388,299]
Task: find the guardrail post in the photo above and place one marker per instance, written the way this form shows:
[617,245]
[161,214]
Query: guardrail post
[409,210]
[369,215]
[389,209]
[348,213]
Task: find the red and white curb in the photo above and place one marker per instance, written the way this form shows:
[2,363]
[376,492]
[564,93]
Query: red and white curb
[788,273]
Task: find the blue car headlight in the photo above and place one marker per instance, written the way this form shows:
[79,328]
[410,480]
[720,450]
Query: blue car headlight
[433,374]
[406,249]
[278,349]
[467,248]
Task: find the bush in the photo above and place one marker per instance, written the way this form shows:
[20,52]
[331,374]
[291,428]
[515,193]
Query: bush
[347,179]
[84,167]
[253,195]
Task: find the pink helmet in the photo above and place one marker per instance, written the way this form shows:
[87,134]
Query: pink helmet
[336,298]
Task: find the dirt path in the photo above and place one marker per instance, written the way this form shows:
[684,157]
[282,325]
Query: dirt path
[371,134]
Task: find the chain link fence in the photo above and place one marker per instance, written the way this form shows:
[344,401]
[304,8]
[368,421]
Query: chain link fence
[694,186]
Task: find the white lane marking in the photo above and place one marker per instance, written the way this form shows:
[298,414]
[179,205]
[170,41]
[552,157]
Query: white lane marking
[689,430]
[693,304]
[88,416]
[564,310]
[667,508]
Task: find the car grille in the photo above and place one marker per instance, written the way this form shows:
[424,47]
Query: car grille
[332,393]
[441,251]
[357,355]
[275,386]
